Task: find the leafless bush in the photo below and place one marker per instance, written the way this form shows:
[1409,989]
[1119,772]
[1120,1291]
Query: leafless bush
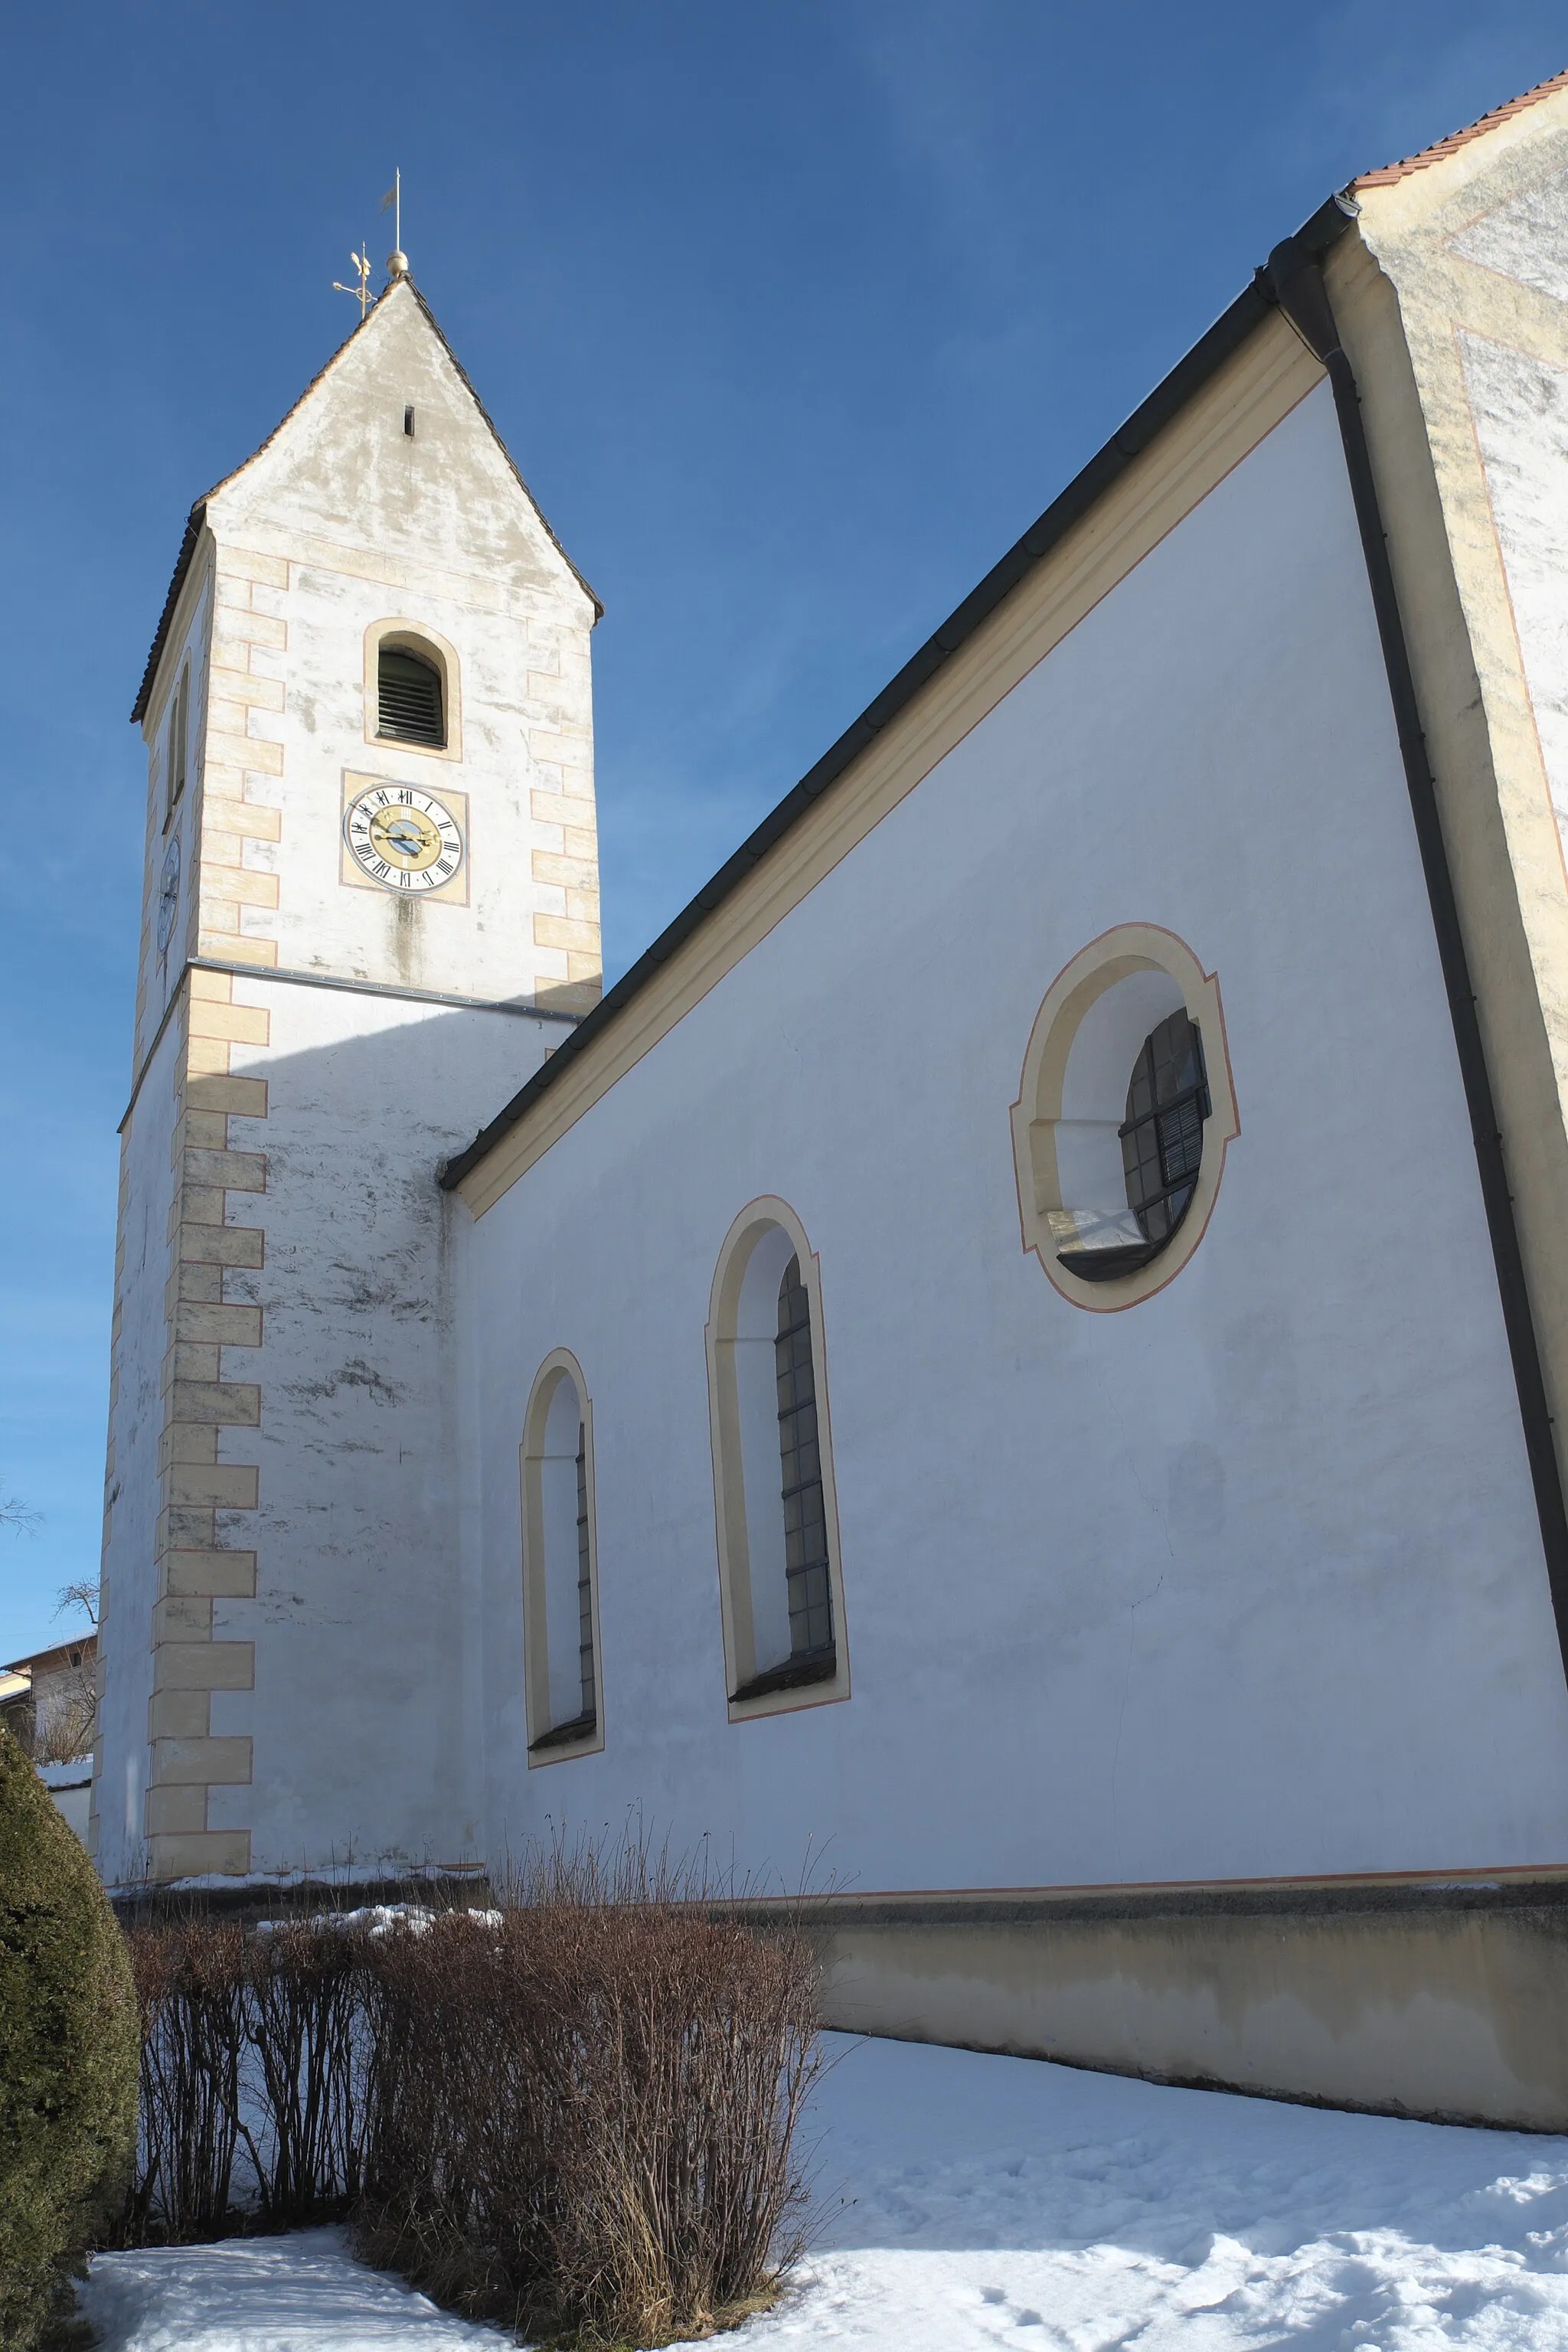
[584,2115]
[308,1988]
[190,1986]
[574,2114]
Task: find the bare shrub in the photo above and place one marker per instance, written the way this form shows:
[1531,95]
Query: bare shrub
[190,1989]
[307,1990]
[573,2113]
[583,2115]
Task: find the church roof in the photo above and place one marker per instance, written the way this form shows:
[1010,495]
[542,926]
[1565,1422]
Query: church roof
[1229,331]
[1458,138]
[1206,357]
[198,512]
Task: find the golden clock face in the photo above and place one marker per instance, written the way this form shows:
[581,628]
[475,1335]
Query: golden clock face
[403,838]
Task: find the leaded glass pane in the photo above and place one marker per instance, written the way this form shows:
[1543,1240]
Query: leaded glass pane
[1163,1136]
[800,1456]
[584,1589]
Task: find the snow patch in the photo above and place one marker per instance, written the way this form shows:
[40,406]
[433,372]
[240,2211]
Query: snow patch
[977,2204]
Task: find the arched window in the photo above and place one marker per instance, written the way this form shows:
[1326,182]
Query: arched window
[800,1465]
[410,700]
[559,1567]
[179,737]
[777,1520]
[1123,1118]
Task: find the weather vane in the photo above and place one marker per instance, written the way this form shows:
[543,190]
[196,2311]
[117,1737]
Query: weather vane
[396,261]
[361,291]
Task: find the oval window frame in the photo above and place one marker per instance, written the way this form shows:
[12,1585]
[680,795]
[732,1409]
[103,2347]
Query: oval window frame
[1125,948]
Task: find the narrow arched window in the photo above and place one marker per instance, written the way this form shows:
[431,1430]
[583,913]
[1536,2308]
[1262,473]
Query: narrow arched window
[179,737]
[800,1457]
[560,1596]
[411,703]
[588,1711]
[782,1607]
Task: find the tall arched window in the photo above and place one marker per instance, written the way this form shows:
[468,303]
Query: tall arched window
[410,700]
[179,741]
[559,1567]
[777,1520]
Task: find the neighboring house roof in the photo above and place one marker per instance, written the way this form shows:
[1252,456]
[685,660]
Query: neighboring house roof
[63,1656]
[13,1684]
[1430,155]
[197,515]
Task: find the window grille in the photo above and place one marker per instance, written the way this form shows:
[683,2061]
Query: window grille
[410,701]
[1163,1136]
[805,1513]
[1162,1148]
[584,1588]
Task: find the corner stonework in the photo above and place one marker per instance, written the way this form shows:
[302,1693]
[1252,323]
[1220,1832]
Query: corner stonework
[191,1656]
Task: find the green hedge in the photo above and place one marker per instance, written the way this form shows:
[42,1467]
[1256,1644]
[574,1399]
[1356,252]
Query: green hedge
[68,2055]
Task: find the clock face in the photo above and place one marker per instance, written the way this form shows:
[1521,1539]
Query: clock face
[169,896]
[403,838]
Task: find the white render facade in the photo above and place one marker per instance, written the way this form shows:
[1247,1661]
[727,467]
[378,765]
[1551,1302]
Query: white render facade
[1175,1683]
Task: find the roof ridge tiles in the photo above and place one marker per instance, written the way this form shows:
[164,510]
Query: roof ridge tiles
[1427,157]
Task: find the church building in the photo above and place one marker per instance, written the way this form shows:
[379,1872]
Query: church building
[1009,1380]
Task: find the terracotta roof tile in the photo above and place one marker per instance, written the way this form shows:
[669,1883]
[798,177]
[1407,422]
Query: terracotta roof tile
[1430,155]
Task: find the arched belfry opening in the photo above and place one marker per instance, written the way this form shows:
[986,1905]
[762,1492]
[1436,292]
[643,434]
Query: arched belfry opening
[411,699]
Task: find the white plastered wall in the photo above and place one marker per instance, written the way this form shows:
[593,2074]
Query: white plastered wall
[1243,1583]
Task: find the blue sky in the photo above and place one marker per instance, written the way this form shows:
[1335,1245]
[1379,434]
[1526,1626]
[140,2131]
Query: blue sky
[794,314]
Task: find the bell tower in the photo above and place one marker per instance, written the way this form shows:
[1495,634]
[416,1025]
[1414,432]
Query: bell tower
[370,908]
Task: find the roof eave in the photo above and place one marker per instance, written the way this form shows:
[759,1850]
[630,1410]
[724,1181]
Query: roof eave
[1191,373]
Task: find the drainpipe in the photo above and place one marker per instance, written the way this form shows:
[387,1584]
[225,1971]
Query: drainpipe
[1293,278]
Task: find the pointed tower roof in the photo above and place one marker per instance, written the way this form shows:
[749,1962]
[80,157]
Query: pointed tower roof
[400,286]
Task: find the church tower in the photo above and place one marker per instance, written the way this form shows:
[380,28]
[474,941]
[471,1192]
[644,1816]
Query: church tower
[370,908]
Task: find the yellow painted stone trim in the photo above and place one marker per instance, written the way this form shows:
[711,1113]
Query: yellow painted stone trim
[1406,298]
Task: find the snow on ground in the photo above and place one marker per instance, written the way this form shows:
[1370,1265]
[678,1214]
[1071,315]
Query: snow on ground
[975,2204]
[300,2294]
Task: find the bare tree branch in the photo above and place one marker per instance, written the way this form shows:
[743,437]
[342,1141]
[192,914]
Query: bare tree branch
[82,1595]
[16,1516]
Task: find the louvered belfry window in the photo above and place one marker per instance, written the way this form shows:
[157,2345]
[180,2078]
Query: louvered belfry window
[800,1456]
[410,699]
[1162,1137]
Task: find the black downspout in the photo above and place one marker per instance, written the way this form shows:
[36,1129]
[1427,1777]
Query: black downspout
[1295,281]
